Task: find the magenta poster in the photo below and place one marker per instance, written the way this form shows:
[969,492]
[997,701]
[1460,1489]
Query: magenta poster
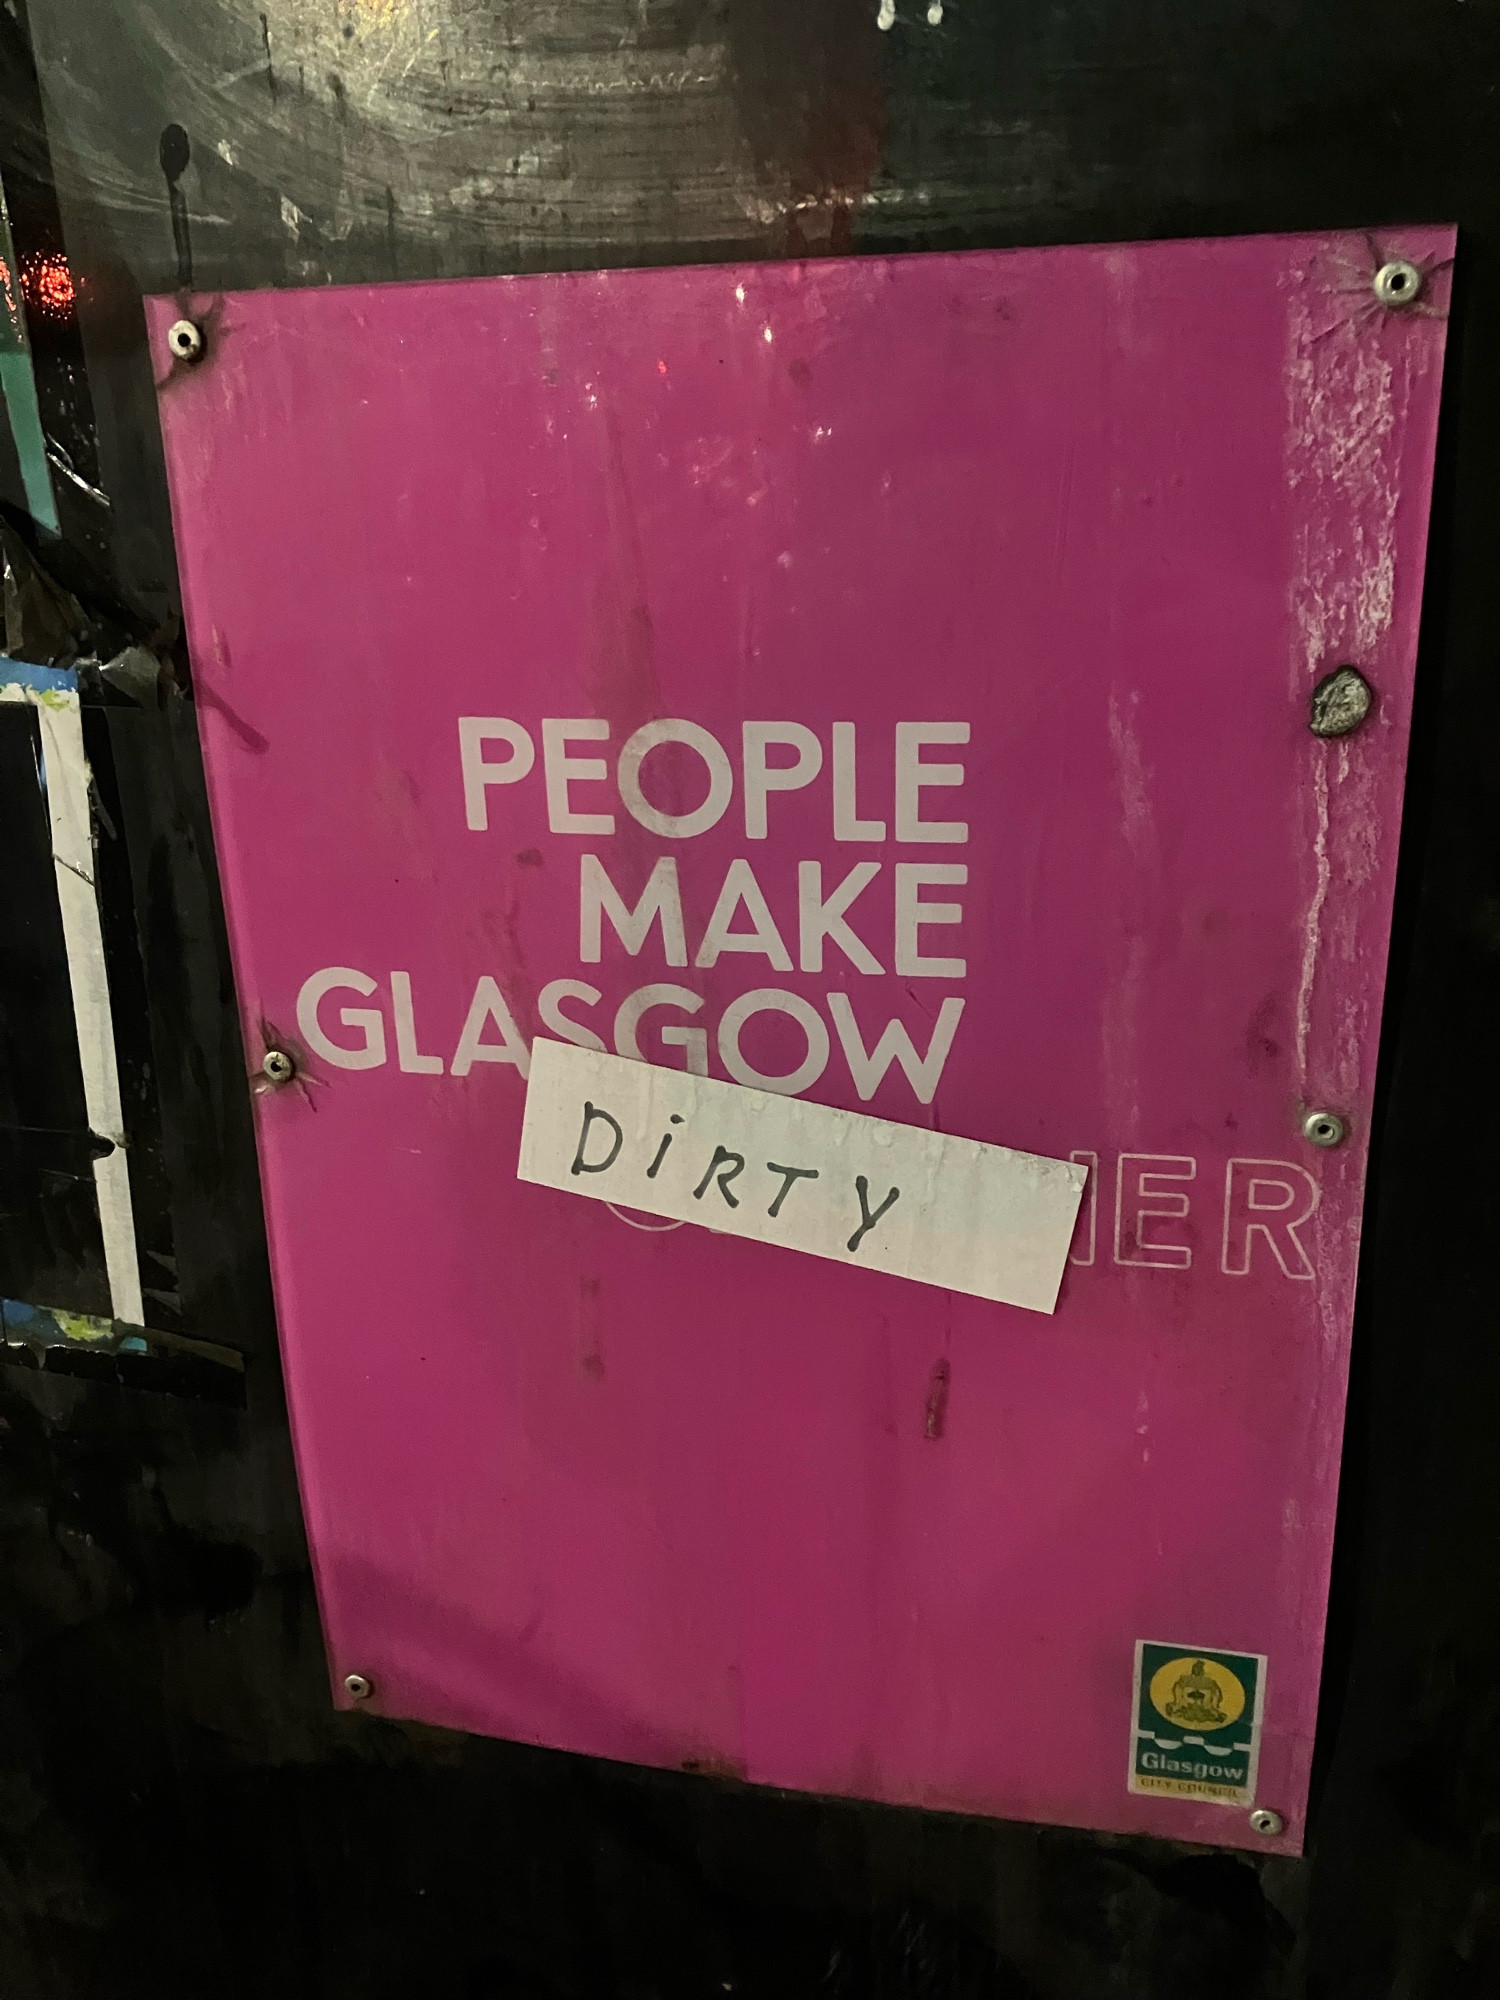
[881,685]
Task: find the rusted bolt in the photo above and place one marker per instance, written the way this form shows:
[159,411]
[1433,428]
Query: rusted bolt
[1398,283]
[1323,1128]
[185,338]
[1340,702]
[1267,1823]
[278,1066]
[358,1687]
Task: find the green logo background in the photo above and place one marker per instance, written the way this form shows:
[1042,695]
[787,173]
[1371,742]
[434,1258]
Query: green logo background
[1188,1751]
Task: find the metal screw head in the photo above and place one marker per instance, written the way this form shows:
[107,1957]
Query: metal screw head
[1340,702]
[278,1066]
[1266,1822]
[1323,1128]
[1398,283]
[185,338]
[358,1687]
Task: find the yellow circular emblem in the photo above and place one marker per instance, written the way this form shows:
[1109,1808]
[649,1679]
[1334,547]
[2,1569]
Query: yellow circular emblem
[1197,1693]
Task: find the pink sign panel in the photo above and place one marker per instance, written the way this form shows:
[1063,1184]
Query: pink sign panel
[889,682]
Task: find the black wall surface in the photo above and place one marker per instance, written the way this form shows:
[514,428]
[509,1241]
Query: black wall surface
[181,1812]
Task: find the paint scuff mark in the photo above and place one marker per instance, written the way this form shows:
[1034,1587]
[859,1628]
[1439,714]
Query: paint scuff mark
[715,1765]
[935,1421]
[1312,926]
[174,153]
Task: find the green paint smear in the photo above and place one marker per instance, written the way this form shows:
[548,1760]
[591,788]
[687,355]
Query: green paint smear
[19,385]
[84,1327]
[58,698]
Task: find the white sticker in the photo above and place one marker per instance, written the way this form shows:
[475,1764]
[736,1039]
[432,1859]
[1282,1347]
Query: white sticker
[897,1198]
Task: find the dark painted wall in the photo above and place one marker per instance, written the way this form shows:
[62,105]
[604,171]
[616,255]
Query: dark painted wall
[180,1810]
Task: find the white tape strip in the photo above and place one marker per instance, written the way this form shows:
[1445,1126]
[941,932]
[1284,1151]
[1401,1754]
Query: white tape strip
[863,1191]
[61,724]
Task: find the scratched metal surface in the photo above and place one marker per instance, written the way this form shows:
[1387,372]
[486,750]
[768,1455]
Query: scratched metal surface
[389,140]
[687,1501]
[229,143]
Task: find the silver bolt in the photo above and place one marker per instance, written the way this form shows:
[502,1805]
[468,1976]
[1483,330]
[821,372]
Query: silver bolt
[1398,283]
[185,338]
[358,1688]
[278,1066]
[1266,1822]
[1340,702]
[1323,1128]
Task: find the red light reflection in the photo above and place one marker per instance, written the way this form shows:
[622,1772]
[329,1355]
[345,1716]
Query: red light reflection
[48,285]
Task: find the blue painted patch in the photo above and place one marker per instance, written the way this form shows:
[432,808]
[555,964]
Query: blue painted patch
[36,1326]
[45,680]
[198,1369]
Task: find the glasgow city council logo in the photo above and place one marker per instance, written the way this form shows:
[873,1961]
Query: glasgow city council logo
[1197,1722]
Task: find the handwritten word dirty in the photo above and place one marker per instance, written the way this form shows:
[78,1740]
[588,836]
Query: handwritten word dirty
[724,1167]
[896,1198]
